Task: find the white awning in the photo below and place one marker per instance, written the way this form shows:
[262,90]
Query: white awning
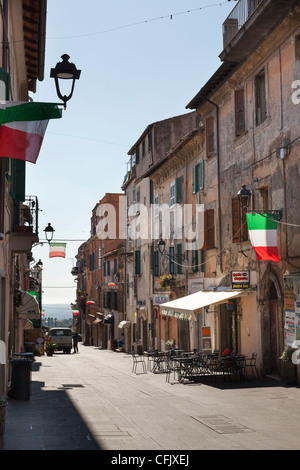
[29,307]
[185,308]
[124,324]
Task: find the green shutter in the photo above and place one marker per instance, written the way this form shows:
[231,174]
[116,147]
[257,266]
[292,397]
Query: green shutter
[156,263]
[201,175]
[17,187]
[179,189]
[171,259]
[137,262]
[179,257]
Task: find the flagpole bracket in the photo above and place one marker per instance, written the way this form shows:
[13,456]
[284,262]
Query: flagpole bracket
[272,214]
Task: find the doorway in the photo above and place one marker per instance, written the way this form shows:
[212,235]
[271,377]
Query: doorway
[273,313]
[229,337]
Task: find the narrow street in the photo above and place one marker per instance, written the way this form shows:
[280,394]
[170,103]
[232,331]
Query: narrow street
[93,401]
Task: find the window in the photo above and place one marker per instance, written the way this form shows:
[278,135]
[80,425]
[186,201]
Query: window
[108,267]
[149,141]
[171,259]
[129,239]
[156,205]
[143,148]
[99,258]
[260,98]
[239,224]
[209,229]
[210,135]
[265,197]
[104,268]
[179,189]
[156,263]
[239,111]
[115,265]
[179,257]
[137,260]
[172,194]
[198,177]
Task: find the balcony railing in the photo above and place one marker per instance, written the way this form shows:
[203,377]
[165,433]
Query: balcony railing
[241,13]
[27,217]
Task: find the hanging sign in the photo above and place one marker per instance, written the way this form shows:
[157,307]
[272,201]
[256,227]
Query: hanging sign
[240,279]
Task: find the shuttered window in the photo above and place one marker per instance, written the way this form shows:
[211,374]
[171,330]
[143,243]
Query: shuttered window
[179,189]
[239,111]
[179,258]
[137,262]
[260,97]
[171,259]
[209,229]
[210,135]
[239,225]
[198,177]
[156,263]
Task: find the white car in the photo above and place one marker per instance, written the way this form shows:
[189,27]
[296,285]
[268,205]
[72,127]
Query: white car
[63,338]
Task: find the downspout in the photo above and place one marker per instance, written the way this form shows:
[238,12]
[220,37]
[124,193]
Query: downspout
[219,181]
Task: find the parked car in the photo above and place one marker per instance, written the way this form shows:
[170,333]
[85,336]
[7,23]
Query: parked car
[62,337]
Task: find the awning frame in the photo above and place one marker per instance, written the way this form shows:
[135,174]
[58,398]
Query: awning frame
[187,308]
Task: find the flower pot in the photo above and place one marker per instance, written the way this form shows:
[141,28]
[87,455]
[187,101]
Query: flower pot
[2,424]
[50,353]
[288,372]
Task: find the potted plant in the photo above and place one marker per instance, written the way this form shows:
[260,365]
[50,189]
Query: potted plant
[164,279]
[3,405]
[50,348]
[287,369]
[170,343]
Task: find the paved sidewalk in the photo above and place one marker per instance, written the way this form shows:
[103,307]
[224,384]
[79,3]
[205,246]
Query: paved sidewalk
[93,401]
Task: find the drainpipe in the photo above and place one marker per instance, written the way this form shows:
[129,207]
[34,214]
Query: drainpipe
[219,182]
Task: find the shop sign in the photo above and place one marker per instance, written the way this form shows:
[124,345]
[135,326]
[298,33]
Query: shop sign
[159,299]
[240,279]
[291,286]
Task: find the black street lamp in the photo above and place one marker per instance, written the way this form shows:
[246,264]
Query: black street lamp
[49,232]
[174,257]
[244,196]
[65,70]
[161,246]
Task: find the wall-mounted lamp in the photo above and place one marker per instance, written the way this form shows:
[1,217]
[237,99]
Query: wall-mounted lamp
[244,196]
[175,257]
[65,70]
[161,246]
[49,232]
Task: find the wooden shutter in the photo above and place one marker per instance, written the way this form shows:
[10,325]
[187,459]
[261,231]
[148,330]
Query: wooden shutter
[156,263]
[210,135]
[260,95]
[238,225]
[209,229]
[236,220]
[239,111]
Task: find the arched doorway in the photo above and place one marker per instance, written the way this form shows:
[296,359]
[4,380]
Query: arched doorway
[274,330]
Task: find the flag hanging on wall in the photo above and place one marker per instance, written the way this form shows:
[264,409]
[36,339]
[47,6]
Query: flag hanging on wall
[57,250]
[263,236]
[75,312]
[23,126]
[90,302]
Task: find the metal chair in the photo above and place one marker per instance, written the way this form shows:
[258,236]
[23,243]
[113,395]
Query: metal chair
[138,359]
[251,363]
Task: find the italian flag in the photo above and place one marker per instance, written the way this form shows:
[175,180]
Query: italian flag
[263,236]
[75,312]
[90,302]
[57,250]
[23,126]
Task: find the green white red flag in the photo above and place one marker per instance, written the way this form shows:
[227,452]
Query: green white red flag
[263,236]
[23,126]
[57,250]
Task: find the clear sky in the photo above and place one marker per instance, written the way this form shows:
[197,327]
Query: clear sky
[142,61]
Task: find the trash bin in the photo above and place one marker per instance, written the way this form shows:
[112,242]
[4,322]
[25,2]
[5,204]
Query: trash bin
[21,376]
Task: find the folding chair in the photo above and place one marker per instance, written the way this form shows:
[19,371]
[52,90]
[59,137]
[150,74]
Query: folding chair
[251,363]
[136,360]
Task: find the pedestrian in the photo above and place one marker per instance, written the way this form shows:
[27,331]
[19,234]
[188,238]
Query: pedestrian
[121,341]
[75,342]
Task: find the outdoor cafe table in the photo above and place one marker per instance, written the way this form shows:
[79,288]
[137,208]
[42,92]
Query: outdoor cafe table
[158,361]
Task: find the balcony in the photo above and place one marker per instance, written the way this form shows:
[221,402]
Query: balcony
[25,230]
[249,23]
